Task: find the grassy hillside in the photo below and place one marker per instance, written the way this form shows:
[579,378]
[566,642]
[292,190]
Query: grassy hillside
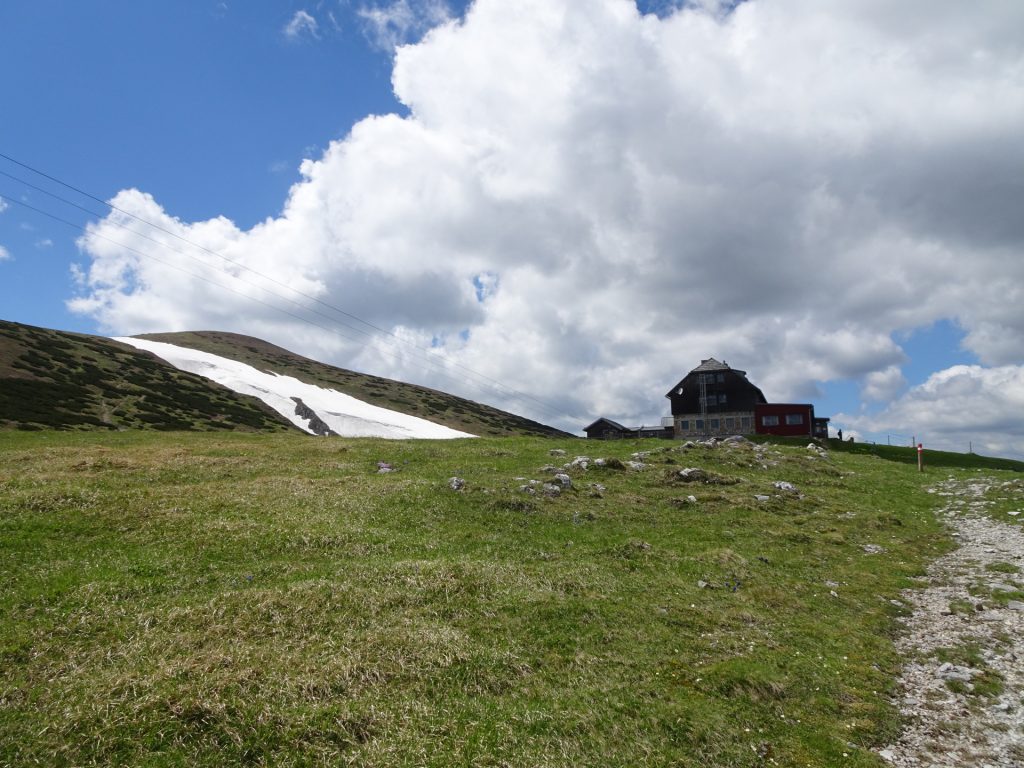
[905,454]
[228,599]
[431,404]
[54,379]
[931,458]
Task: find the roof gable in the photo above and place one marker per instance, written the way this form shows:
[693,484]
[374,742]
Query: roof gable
[609,422]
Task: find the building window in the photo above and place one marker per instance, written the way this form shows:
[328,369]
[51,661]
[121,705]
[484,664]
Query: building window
[745,422]
[730,423]
[721,398]
[794,418]
[699,423]
[769,421]
[684,425]
[720,378]
[715,423]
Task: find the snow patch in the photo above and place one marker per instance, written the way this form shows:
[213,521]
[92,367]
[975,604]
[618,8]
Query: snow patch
[343,414]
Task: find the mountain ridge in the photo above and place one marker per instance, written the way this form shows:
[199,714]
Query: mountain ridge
[51,379]
[412,399]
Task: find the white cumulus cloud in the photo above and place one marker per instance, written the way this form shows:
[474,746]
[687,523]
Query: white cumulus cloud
[958,407]
[392,23]
[584,201]
[4,254]
[884,385]
[302,24]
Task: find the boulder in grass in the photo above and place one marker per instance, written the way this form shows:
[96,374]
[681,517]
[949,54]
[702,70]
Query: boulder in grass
[692,475]
[564,480]
[551,489]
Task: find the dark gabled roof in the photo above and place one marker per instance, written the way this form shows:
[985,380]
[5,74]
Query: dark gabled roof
[713,365]
[609,422]
[706,366]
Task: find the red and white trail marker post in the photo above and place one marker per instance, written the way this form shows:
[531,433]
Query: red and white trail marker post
[920,452]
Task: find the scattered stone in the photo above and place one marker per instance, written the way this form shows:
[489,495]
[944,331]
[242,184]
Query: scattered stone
[1014,512]
[556,452]
[999,586]
[692,475]
[564,480]
[782,485]
[691,499]
[701,584]
[830,583]
[548,469]
[550,489]
[762,497]
[873,549]
[456,483]
[383,467]
[580,462]
[817,449]
[888,755]
[637,465]
[688,445]
[599,462]
[953,672]
[1015,605]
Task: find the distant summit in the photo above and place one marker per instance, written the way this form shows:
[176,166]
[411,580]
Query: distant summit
[59,380]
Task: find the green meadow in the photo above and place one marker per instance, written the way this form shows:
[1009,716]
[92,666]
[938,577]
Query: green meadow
[202,599]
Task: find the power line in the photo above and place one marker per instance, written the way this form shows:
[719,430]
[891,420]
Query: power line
[493,382]
[213,282]
[427,358]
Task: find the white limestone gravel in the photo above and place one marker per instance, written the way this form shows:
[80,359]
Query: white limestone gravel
[948,728]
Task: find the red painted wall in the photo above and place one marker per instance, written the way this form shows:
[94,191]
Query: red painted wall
[781,410]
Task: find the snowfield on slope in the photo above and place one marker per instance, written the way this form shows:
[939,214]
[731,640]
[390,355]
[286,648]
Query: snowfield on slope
[344,414]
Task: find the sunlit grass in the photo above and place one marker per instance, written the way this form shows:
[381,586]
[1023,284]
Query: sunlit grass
[199,599]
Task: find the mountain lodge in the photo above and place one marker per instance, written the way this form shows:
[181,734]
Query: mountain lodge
[714,400]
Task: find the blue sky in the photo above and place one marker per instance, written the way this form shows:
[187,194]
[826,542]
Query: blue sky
[209,106]
[842,230]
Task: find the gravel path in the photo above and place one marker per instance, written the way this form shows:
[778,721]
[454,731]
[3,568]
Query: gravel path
[954,718]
